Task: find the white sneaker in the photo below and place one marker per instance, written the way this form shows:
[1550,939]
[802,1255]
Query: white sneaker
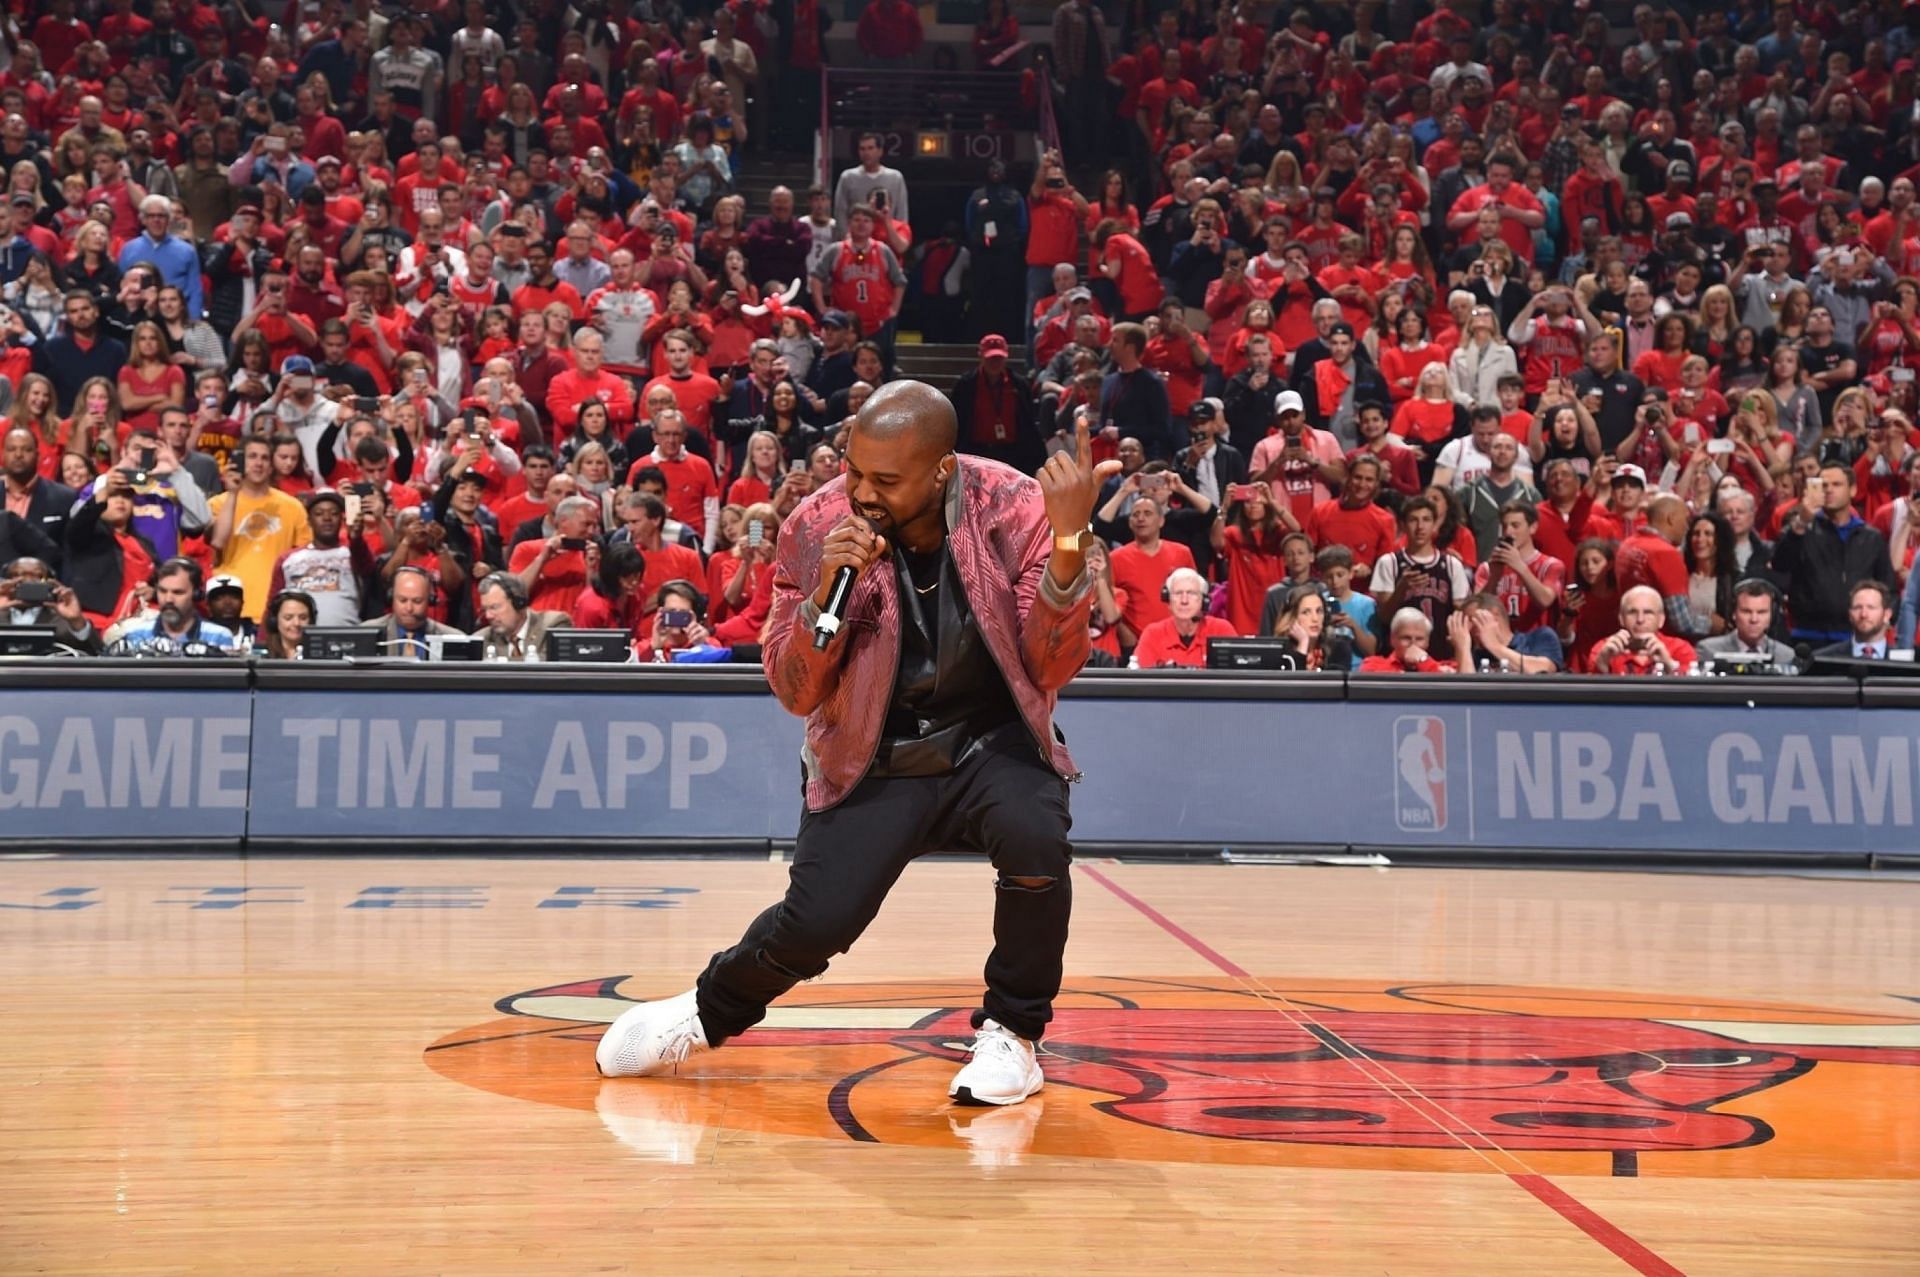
[1003,1069]
[653,1037]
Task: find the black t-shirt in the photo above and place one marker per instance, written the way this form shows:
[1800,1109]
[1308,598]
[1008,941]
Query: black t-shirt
[948,694]
[1818,359]
[1620,394]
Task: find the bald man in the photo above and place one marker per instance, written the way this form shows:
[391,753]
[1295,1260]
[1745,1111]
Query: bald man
[929,727]
[1638,646]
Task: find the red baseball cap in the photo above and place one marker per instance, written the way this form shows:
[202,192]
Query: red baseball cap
[993,344]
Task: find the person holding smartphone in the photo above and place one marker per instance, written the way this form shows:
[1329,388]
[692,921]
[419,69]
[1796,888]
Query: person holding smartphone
[1825,547]
[679,622]
[557,569]
[30,596]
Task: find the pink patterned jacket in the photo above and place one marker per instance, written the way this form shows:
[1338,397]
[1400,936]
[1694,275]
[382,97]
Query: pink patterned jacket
[1000,540]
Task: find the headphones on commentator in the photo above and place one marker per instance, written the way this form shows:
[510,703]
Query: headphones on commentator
[433,587]
[512,586]
[1166,586]
[1760,585]
[179,563]
[680,585]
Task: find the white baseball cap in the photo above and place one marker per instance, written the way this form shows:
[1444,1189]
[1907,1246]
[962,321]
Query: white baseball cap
[1288,401]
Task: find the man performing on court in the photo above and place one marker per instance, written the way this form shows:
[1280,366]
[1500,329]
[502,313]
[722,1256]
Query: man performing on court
[929,728]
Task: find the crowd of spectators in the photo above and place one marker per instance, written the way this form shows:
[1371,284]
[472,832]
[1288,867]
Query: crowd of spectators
[1477,336]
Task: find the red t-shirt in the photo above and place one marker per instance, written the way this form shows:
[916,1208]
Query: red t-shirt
[1252,570]
[560,582]
[1392,665]
[1139,282]
[281,341]
[1053,231]
[747,490]
[1161,644]
[170,375]
[668,563]
[1368,531]
[1173,359]
[1641,663]
[1647,558]
[1142,576]
[693,395]
[1517,237]
[690,485]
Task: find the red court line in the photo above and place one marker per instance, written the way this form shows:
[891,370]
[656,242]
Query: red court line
[1590,1222]
[1169,926]
[1549,1194]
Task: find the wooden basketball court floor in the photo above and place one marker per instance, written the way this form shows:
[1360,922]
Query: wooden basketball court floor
[352,1065]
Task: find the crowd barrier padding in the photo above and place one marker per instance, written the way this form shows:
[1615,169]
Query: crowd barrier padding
[317,757]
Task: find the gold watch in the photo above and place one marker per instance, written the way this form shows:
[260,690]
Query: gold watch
[1071,544]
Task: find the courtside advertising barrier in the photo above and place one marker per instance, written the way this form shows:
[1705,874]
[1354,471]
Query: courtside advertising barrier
[319,757]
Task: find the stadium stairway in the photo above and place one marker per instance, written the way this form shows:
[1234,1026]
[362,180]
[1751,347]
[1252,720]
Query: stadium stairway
[764,170]
[942,364]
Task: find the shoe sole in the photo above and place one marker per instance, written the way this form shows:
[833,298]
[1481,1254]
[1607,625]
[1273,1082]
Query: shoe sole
[964,1096]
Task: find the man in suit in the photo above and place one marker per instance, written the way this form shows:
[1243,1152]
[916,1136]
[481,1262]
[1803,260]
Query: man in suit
[1210,465]
[41,503]
[1750,642]
[61,612]
[1870,612]
[406,628]
[514,631]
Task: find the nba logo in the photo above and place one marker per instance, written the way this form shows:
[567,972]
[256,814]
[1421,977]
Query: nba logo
[1420,777]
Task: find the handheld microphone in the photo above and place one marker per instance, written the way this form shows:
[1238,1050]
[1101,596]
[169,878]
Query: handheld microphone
[835,612]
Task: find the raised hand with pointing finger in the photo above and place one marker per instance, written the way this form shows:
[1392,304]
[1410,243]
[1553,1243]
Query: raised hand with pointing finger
[1070,484]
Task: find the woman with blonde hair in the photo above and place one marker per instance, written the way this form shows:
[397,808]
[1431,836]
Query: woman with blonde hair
[1432,416]
[1719,320]
[91,268]
[149,380]
[1482,359]
[1284,187]
[592,470]
[740,579]
[24,179]
[34,409]
[762,471]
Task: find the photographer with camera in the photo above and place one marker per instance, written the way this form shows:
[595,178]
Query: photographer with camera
[1639,647]
[167,503]
[557,569]
[30,597]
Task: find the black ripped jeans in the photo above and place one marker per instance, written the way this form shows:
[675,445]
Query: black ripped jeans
[1003,801]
